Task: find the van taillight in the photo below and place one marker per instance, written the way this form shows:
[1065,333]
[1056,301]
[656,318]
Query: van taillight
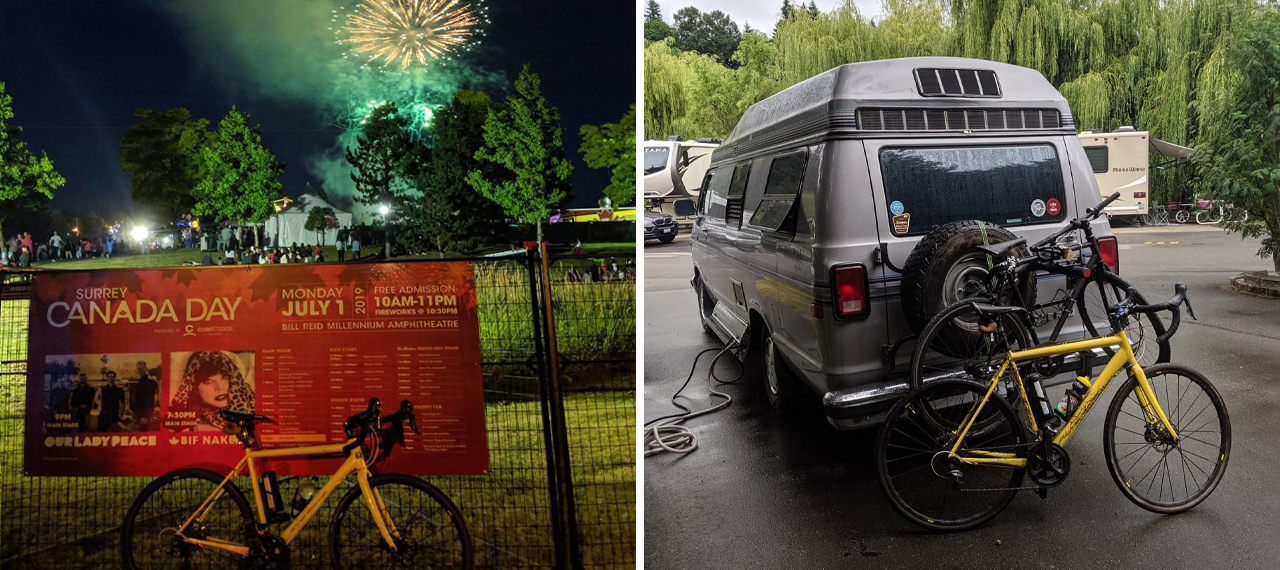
[1110,253]
[850,282]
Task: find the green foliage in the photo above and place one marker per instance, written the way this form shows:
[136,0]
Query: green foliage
[1147,63]
[161,155]
[27,182]
[318,221]
[652,11]
[241,177]
[613,146]
[523,140]
[449,215]
[657,30]
[711,33]
[384,154]
[1240,123]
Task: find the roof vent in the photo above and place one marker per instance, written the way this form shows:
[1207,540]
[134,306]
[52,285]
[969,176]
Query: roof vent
[936,82]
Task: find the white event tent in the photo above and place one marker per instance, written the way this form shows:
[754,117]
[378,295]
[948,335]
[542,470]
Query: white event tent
[293,219]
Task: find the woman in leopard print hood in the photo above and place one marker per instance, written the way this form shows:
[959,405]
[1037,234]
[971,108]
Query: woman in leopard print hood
[212,382]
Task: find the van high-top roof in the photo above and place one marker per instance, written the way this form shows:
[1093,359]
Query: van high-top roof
[913,96]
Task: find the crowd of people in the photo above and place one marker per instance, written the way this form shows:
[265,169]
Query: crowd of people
[229,247]
[21,251]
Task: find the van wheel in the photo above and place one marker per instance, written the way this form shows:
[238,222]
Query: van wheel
[947,266]
[705,306]
[782,387]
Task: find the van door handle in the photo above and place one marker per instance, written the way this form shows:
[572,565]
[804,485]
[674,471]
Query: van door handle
[882,257]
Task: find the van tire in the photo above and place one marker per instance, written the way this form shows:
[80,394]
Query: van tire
[704,308]
[781,386]
[925,274]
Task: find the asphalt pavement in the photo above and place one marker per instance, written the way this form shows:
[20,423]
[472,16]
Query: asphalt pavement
[762,491]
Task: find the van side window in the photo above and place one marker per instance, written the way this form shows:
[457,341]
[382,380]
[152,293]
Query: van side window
[737,189]
[1099,158]
[780,191]
[715,193]
[706,189]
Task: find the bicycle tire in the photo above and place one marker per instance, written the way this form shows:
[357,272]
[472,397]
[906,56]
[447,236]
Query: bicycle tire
[898,461]
[954,346]
[137,556]
[1186,420]
[1139,323]
[372,550]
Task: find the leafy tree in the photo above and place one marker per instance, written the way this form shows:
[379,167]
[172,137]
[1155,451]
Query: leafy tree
[161,155]
[657,31]
[652,11]
[241,177]
[319,220]
[27,182]
[524,140]
[613,146]
[1240,119]
[385,161]
[711,33]
[450,216]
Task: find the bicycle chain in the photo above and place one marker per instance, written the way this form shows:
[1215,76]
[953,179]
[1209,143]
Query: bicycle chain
[1033,488]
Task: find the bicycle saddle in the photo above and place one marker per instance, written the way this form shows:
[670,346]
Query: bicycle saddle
[243,418]
[999,249]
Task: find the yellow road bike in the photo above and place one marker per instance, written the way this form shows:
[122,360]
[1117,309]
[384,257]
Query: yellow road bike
[196,519]
[953,453]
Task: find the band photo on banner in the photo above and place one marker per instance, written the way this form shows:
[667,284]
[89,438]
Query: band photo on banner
[101,393]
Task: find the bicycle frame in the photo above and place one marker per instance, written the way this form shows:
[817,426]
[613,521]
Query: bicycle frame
[1123,358]
[355,463]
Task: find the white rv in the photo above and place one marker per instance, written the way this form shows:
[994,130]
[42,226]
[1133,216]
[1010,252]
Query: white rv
[673,173]
[1120,160]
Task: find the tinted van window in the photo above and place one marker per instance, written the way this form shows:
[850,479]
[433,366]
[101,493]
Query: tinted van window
[780,191]
[1008,185]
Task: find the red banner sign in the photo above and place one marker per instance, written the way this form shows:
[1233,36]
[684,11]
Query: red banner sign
[129,369]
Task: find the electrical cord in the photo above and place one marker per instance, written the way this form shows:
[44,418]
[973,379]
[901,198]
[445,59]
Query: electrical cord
[665,433]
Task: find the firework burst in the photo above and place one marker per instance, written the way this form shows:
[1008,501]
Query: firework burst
[409,32]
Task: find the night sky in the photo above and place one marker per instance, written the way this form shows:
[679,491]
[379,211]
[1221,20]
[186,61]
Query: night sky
[77,70]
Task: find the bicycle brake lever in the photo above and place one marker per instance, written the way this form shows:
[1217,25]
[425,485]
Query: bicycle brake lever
[1187,301]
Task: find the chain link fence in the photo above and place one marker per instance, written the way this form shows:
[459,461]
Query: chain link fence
[561,489]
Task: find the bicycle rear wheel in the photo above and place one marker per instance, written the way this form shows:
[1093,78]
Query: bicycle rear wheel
[432,533]
[1148,467]
[148,540]
[919,479]
[953,346]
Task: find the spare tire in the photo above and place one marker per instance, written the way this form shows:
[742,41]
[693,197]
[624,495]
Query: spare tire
[945,260]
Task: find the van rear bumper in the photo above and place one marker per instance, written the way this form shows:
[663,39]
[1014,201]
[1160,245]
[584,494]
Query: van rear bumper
[868,405]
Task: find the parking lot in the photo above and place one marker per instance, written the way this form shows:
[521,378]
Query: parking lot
[765,492]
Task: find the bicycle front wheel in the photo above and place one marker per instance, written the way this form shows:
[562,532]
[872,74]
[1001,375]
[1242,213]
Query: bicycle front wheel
[917,475]
[430,531]
[1152,470]
[149,535]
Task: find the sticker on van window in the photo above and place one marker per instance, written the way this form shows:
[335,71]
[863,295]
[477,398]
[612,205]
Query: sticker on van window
[1054,206]
[901,223]
[897,208]
[1037,208]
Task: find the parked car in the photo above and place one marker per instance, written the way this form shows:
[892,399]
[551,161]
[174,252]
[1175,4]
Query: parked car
[823,190]
[660,227]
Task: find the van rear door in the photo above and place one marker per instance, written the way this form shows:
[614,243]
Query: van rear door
[1020,183]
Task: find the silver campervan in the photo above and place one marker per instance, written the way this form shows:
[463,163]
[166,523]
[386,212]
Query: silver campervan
[820,194]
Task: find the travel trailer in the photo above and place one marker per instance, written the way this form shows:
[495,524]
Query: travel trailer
[673,173]
[1120,160]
